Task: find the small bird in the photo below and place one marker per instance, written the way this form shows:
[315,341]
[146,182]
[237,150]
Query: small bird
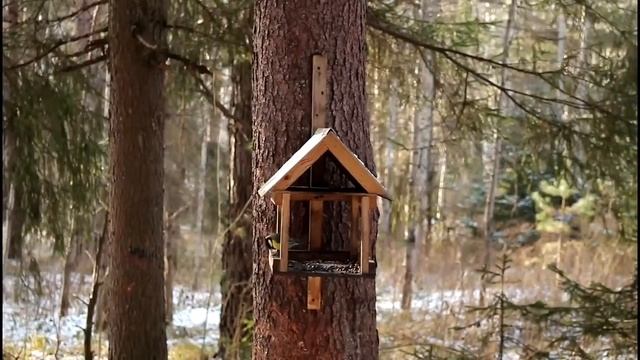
[273,242]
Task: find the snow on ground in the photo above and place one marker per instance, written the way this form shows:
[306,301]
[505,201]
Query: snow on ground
[29,319]
[442,300]
[38,318]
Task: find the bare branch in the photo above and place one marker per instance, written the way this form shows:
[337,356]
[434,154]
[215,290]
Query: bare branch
[386,28]
[55,46]
[83,64]
[93,299]
[188,63]
[78,11]
[208,94]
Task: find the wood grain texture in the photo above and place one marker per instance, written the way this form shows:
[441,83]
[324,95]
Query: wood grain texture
[284,232]
[314,293]
[364,235]
[354,245]
[319,93]
[324,140]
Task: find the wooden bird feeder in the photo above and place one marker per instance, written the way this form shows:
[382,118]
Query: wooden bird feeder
[316,261]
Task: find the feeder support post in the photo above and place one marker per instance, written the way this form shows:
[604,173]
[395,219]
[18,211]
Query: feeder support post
[316,207]
[284,231]
[364,232]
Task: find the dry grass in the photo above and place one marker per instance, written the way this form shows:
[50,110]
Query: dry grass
[451,266]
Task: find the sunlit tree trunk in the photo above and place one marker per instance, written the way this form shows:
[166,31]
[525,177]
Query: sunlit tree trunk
[441,198]
[202,176]
[101,303]
[582,63]
[419,227]
[287,34]
[136,292]
[491,150]
[236,250]
[390,155]
[560,109]
[175,205]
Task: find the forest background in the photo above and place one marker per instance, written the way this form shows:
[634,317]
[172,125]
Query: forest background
[506,132]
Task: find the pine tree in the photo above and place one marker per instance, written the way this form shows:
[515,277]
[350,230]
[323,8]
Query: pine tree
[136,284]
[286,36]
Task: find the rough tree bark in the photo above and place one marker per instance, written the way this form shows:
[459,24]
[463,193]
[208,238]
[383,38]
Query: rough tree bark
[236,250]
[421,187]
[286,36]
[136,310]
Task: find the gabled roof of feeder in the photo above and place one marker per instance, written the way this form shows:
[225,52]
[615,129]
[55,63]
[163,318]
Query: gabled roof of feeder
[324,139]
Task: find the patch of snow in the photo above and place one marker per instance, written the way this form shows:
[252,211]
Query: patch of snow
[193,317]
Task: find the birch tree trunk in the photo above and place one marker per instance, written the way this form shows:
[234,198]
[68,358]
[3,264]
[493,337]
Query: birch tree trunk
[492,150]
[136,292]
[441,198]
[390,156]
[560,109]
[286,36]
[581,89]
[202,174]
[419,227]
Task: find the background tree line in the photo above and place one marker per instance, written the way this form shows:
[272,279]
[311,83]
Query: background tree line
[499,127]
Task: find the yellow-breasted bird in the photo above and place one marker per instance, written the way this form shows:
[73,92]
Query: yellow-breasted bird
[273,242]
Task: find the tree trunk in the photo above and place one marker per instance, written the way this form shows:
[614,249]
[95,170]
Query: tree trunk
[101,303]
[102,296]
[491,150]
[236,250]
[174,205]
[17,214]
[84,24]
[390,156]
[136,312]
[441,198]
[202,176]
[287,34]
[420,216]
[581,91]
[70,262]
[17,218]
[10,17]
[172,234]
[560,108]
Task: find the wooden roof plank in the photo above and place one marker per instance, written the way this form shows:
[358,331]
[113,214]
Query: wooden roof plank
[322,141]
[309,153]
[355,166]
